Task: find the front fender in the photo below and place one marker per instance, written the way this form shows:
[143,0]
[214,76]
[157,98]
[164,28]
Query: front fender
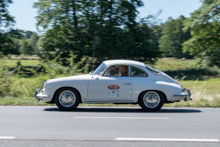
[80,86]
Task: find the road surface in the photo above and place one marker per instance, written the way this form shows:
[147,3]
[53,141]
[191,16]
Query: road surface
[108,126]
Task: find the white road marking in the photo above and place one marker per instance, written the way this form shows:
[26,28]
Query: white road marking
[123,117]
[7,137]
[168,139]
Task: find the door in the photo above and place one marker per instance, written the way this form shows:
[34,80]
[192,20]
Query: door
[114,84]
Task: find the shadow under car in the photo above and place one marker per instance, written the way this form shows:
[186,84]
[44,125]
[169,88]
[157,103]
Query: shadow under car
[126,110]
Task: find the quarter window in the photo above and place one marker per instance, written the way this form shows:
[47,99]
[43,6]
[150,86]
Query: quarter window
[136,72]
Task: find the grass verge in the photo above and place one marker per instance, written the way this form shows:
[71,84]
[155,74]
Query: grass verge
[205,91]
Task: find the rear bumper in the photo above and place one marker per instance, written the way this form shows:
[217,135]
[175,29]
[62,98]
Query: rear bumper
[39,96]
[185,95]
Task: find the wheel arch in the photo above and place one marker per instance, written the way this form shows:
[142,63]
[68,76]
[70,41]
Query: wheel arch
[53,99]
[165,101]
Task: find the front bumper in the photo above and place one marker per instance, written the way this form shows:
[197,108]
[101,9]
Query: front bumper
[39,96]
[186,94]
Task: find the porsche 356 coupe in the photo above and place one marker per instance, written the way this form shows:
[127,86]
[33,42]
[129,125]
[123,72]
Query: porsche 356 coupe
[115,81]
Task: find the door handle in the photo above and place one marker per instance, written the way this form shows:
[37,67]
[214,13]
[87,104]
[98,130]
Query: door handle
[127,83]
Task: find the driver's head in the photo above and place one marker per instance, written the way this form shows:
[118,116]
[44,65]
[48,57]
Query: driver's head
[123,68]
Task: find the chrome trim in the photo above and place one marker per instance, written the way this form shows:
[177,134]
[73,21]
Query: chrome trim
[127,83]
[186,93]
[151,99]
[67,98]
[39,96]
[35,95]
[183,95]
[189,92]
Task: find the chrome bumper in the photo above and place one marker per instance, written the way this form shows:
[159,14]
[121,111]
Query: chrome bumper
[39,95]
[186,93]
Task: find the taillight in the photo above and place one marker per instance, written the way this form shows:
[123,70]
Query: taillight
[183,89]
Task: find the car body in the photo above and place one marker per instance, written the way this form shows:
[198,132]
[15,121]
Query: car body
[142,84]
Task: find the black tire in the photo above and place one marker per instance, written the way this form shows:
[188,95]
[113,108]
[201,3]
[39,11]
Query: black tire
[144,104]
[72,105]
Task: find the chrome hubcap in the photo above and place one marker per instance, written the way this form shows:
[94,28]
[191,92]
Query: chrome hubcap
[151,99]
[67,98]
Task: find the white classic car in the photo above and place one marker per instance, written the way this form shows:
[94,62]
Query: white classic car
[115,81]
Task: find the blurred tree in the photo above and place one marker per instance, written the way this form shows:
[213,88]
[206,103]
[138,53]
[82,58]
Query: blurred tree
[29,34]
[157,33]
[27,45]
[33,42]
[109,26]
[204,25]
[6,19]
[7,34]
[26,48]
[173,37]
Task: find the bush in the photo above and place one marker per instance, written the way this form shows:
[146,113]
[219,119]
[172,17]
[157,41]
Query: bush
[5,78]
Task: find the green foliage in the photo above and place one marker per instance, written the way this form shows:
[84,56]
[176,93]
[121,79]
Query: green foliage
[186,69]
[1,55]
[6,19]
[18,85]
[204,26]
[7,34]
[5,78]
[108,27]
[173,37]
[26,48]
[157,33]
[53,68]
[10,86]
[27,45]
[7,45]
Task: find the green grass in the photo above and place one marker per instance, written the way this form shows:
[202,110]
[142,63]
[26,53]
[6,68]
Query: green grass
[172,64]
[189,69]
[203,82]
[24,101]
[13,63]
[211,85]
[204,93]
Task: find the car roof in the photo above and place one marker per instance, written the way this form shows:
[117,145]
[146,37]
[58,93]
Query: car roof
[124,62]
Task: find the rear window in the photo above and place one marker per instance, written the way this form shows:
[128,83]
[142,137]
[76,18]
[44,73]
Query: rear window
[153,70]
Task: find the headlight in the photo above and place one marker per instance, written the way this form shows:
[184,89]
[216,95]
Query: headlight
[45,84]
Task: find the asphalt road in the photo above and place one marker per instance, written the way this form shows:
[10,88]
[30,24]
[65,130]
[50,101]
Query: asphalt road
[95,126]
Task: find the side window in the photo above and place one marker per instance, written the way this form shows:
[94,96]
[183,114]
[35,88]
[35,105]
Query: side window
[136,72]
[117,71]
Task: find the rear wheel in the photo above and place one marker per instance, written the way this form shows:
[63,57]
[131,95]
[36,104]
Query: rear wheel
[67,99]
[151,100]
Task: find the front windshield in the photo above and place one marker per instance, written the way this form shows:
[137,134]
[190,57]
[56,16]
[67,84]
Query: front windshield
[153,70]
[99,69]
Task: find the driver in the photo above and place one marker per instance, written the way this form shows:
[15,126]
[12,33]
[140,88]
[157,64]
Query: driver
[124,70]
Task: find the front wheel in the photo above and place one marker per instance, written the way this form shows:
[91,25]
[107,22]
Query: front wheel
[67,99]
[151,100]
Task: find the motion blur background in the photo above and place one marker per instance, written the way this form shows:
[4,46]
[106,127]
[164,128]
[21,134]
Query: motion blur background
[44,39]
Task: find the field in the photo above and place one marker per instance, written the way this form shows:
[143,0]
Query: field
[203,82]
[12,63]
